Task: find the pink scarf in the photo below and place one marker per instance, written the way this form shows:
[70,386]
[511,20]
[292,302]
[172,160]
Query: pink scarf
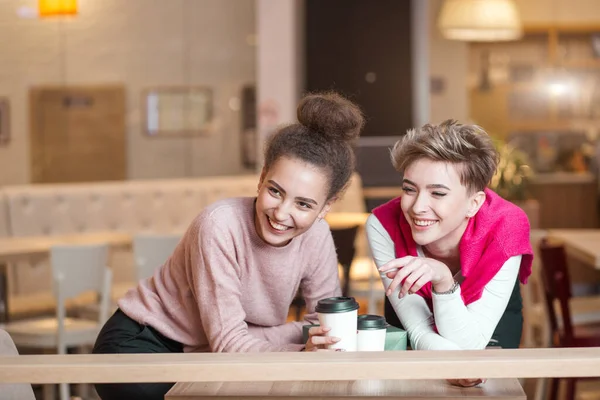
[499,231]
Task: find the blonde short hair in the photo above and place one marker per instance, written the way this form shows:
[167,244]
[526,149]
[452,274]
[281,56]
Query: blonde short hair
[467,146]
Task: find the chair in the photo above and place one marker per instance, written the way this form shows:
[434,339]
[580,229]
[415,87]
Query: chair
[536,326]
[344,239]
[76,269]
[12,391]
[557,288]
[344,244]
[584,309]
[150,251]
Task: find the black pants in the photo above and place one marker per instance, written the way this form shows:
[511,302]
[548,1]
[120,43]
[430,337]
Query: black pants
[121,334]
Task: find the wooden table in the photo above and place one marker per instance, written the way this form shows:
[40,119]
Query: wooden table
[306,366]
[343,220]
[581,244]
[20,248]
[504,389]
[13,249]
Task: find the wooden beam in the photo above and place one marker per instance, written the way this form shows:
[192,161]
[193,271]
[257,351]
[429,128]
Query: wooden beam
[568,28]
[318,366]
[382,192]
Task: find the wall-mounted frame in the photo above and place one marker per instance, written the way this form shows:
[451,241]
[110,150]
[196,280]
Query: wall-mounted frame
[4,121]
[177,111]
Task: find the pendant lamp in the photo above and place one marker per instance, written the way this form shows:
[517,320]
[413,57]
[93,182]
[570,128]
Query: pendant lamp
[52,8]
[480,20]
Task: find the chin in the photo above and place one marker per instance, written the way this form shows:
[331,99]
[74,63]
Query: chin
[274,239]
[423,239]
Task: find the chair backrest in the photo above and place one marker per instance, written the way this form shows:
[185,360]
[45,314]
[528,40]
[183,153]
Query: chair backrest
[150,251]
[557,288]
[77,269]
[344,240]
[344,243]
[12,391]
[81,265]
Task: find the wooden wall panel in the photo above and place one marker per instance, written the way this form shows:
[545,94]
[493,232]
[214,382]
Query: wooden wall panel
[77,134]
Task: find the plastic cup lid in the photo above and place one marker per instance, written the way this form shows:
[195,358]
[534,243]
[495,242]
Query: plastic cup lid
[369,321]
[333,305]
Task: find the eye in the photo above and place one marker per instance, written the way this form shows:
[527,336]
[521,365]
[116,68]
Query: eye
[274,192]
[407,189]
[302,204]
[439,194]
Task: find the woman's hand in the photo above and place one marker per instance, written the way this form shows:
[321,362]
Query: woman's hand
[466,382]
[416,272]
[317,341]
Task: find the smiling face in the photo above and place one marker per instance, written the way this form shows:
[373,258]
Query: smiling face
[292,194]
[437,205]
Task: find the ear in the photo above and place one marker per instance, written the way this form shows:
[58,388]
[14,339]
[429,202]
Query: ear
[476,201]
[327,207]
[263,173]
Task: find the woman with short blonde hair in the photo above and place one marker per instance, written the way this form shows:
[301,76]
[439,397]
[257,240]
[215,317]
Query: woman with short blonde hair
[450,251]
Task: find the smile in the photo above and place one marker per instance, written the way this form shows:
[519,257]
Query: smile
[276,226]
[424,222]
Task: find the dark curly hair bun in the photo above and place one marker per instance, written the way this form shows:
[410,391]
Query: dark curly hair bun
[331,115]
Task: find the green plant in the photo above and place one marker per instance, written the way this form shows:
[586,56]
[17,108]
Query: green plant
[513,175]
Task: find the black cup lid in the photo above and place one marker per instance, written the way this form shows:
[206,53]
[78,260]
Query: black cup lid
[369,321]
[333,305]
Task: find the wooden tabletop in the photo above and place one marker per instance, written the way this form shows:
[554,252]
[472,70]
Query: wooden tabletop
[15,248]
[359,389]
[581,244]
[306,366]
[342,220]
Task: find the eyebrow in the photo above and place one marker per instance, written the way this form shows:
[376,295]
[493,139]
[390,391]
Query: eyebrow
[282,190]
[432,186]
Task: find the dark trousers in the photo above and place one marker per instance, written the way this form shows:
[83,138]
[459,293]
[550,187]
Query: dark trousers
[122,335]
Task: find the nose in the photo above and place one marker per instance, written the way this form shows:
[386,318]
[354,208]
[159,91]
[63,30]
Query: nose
[281,212]
[421,204]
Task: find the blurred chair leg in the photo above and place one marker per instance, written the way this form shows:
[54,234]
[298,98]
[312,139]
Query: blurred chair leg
[83,389]
[571,389]
[372,306]
[540,388]
[64,391]
[49,392]
[554,388]
[346,283]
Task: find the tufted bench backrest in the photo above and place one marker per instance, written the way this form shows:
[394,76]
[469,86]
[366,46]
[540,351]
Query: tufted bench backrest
[130,206]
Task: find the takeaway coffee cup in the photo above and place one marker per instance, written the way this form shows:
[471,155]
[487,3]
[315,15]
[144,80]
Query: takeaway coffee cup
[340,315]
[371,333]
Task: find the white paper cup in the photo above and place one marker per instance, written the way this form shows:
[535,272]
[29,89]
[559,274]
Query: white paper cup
[340,314]
[371,333]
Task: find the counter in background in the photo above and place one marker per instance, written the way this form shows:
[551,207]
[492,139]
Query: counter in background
[567,200]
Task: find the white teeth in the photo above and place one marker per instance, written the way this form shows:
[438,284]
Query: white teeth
[420,222]
[277,226]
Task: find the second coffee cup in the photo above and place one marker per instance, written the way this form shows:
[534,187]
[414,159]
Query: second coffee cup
[340,315]
[372,330]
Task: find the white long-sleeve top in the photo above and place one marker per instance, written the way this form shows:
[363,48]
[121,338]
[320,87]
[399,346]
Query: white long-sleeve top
[459,326]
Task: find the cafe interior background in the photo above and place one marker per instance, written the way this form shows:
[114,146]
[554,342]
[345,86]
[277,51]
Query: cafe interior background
[130,116]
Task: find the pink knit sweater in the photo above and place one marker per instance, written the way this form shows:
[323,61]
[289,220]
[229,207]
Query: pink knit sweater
[224,290]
